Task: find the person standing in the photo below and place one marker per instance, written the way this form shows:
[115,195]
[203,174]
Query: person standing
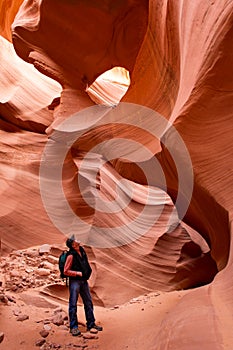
[78,269]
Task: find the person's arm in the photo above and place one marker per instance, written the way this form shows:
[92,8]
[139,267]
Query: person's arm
[67,268]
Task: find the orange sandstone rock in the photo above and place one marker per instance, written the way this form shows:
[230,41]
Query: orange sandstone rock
[179,57]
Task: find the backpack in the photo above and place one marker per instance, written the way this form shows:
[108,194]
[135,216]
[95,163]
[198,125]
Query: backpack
[61,263]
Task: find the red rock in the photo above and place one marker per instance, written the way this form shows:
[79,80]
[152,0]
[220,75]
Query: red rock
[15,273]
[45,248]
[33,253]
[57,319]
[40,342]
[3,298]
[11,298]
[43,272]
[89,336]
[180,64]
[17,312]
[1,337]
[44,333]
[52,259]
[47,328]
[22,317]
[58,310]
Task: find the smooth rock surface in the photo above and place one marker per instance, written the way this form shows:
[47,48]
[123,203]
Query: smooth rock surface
[179,57]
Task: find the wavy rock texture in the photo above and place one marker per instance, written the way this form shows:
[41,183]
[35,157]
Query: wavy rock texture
[179,60]
[8,10]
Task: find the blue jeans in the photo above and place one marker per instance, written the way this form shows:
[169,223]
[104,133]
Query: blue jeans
[77,287]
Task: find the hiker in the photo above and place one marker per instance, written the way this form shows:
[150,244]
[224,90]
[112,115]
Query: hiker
[78,270]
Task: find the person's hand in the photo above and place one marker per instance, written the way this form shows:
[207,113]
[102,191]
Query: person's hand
[79,273]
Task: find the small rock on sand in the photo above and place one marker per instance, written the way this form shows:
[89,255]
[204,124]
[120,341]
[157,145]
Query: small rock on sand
[89,336]
[22,317]
[44,333]
[40,342]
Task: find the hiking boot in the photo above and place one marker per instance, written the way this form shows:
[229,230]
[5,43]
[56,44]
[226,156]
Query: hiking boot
[75,332]
[98,328]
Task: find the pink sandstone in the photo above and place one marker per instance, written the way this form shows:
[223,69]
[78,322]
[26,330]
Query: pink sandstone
[179,57]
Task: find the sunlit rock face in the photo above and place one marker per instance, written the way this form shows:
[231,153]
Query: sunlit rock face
[179,57]
[8,10]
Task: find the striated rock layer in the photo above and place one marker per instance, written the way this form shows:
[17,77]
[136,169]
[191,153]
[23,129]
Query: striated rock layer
[179,57]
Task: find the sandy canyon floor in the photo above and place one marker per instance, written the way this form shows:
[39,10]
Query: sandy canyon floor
[33,310]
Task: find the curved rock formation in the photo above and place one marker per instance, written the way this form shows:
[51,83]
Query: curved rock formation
[8,11]
[179,58]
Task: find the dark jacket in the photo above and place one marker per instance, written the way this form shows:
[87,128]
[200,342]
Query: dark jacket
[80,263]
